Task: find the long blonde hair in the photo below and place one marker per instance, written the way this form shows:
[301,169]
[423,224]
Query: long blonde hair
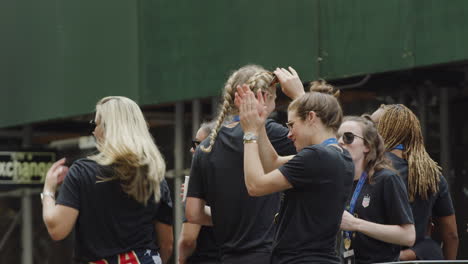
[253,75]
[128,147]
[399,125]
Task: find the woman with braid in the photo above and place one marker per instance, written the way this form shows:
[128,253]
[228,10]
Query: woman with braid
[243,225]
[427,188]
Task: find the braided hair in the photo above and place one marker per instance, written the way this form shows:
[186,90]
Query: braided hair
[399,125]
[253,75]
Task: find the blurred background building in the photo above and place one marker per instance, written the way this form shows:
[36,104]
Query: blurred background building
[59,57]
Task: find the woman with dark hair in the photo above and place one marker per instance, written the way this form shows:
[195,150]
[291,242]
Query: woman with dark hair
[378,219]
[197,244]
[316,182]
[117,200]
[428,190]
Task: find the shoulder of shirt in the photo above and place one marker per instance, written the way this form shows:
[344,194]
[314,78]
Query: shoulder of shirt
[395,159]
[386,174]
[85,166]
[84,163]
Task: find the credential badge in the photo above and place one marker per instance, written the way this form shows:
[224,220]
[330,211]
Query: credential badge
[366,201]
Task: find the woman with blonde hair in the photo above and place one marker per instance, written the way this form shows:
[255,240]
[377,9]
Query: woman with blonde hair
[243,225]
[117,200]
[428,190]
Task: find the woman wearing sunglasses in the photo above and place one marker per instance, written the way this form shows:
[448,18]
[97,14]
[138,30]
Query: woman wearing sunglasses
[378,219]
[116,199]
[316,182]
[428,190]
[197,243]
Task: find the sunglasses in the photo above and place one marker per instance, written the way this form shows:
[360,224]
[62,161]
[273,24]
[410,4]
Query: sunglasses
[195,143]
[348,137]
[92,126]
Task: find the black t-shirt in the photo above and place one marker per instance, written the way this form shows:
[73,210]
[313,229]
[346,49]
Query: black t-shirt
[242,224]
[383,201]
[206,251]
[311,213]
[437,205]
[109,221]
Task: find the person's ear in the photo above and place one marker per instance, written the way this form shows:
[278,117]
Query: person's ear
[311,117]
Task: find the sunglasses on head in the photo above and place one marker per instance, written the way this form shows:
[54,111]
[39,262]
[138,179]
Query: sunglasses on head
[195,143]
[92,126]
[348,137]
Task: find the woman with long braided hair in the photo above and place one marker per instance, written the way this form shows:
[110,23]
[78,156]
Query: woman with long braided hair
[427,188]
[243,225]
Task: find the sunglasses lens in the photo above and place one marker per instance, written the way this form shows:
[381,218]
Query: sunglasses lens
[348,138]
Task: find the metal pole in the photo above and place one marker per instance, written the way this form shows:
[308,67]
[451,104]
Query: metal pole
[444,132]
[26,209]
[196,116]
[214,106]
[179,163]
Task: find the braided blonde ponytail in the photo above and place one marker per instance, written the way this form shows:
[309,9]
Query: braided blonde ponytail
[253,75]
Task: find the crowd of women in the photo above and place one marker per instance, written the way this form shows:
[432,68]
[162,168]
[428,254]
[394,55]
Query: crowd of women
[323,189]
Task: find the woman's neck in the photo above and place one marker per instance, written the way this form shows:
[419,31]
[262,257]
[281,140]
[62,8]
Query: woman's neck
[397,152]
[358,169]
[322,136]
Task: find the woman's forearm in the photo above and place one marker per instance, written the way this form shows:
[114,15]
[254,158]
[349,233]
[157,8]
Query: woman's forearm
[403,235]
[253,169]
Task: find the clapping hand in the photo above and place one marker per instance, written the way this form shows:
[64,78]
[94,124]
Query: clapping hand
[253,112]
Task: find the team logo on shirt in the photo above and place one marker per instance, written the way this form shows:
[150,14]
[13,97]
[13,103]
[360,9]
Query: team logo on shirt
[366,201]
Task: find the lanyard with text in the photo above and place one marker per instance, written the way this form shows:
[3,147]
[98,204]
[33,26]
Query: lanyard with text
[329,141]
[352,205]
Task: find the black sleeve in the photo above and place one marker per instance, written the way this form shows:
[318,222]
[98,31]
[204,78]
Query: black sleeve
[164,214]
[396,200]
[196,187]
[443,204]
[305,169]
[278,136]
[69,193]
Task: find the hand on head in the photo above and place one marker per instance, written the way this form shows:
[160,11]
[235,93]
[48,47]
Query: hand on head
[291,84]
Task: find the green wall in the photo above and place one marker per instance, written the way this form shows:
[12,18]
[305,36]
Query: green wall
[59,57]
[62,56]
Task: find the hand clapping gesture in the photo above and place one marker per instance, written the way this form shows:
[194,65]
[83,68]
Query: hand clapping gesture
[253,112]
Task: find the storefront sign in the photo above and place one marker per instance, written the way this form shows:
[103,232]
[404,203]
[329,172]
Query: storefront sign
[24,167]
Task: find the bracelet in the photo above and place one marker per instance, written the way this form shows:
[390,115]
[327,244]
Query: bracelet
[250,141]
[46,193]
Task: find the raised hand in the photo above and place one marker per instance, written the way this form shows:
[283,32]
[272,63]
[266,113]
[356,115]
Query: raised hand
[252,111]
[55,175]
[291,84]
